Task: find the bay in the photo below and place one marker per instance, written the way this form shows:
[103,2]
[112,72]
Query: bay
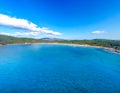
[53,68]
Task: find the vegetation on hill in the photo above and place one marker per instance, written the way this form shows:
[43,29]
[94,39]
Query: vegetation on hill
[103,43]
[11,40]
[115,44]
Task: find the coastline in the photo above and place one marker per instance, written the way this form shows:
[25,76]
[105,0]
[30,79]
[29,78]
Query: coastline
[1,45]
[84,45]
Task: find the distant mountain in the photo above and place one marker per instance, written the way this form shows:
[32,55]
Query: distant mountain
[100,39]
[51,39]
[105,39]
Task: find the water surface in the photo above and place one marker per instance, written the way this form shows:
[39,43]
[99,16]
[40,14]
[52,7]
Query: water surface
[47,68]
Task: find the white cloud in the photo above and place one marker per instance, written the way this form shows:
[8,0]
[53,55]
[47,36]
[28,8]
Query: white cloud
[21,34]
[24,24]
[98,32]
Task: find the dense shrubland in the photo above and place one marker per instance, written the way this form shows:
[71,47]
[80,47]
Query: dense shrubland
[97,42]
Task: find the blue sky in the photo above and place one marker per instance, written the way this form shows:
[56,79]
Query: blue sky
[69,19]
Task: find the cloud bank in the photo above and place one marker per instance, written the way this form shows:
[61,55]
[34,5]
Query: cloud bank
[98,32]
[23,24]
[21,34]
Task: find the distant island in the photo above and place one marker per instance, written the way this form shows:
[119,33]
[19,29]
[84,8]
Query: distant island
[113,45]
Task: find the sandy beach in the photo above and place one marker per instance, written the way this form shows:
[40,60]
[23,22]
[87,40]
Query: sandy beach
[85,45]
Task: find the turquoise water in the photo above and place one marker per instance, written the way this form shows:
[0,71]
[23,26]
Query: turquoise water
[47,68]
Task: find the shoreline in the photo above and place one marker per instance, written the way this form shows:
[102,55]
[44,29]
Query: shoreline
[1,45]
[84,45]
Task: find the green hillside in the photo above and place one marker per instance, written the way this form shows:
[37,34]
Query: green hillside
[97,42]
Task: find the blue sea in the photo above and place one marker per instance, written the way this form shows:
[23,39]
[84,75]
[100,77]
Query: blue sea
[52,68]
